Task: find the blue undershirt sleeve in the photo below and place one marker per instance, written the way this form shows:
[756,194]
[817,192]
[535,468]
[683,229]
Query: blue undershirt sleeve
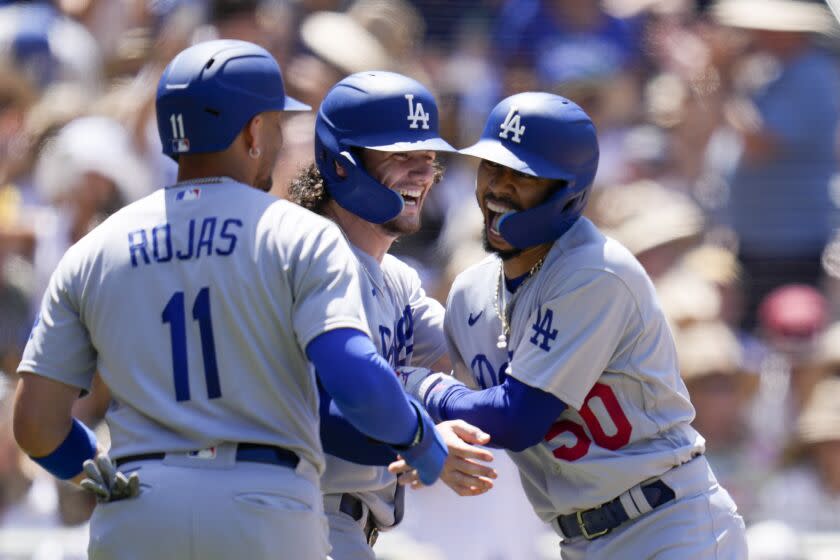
[341,439]
[516,415]
[363,386]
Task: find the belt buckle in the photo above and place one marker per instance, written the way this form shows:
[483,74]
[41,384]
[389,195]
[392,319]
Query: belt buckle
[586,534]
[371,530]
[372,536]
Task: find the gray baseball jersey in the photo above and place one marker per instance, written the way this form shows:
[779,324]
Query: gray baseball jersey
[195,305]
[407,329]
[588,329]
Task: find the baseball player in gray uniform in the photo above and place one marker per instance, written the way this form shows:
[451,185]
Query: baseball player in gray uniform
[575,368]
[376,144]
[201,306]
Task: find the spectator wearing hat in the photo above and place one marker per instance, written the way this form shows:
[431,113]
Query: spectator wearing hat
[49,47]
[821,362]
[581,52]
[87,171]
[657,224]
[791,319]
[792,326]
[720,267]
[686,298]
[565,39]
[806,495]
[786,114]
[722,389]
[336,45]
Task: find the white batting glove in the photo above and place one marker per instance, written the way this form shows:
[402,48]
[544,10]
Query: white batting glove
[107,483]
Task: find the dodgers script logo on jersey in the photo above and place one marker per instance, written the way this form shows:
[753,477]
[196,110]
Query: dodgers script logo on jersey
[397,342]
[512,124]
[416,113]
[485,373]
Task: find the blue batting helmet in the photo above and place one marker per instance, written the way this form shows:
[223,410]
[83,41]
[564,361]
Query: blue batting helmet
[377,110]
[210,91]
[546,136]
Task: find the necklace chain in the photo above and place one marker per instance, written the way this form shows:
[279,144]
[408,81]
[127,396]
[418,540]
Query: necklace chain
[501,306]
[201,181]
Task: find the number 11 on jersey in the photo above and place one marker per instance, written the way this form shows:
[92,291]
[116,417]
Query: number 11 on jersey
[175,315]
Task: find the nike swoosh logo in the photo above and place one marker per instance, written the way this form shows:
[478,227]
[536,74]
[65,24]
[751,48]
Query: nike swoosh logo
[472,320]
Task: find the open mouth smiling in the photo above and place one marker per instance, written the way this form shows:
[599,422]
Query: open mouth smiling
[495,211]
[411,196]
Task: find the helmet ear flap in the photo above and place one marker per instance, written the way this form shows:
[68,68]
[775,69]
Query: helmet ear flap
[324,154]
[547,221]
[573,201]
[357,191]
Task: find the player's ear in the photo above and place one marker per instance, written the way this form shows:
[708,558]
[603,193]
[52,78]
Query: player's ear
[251,134]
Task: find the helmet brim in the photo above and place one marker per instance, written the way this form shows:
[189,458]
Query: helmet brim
[382,145]
[432,144]
[292,104]
[494,151]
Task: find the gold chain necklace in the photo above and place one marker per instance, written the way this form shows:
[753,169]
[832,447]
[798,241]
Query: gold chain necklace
[501,305]
[201,181]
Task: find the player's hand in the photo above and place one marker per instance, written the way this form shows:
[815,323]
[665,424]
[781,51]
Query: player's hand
[427,455]
[106,482]
[463,472]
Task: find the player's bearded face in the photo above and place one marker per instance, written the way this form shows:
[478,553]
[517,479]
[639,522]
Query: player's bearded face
[500,190]
[411,174]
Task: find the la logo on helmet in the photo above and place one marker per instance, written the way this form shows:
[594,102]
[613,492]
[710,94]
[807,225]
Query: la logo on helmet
[512,125]
[416,113]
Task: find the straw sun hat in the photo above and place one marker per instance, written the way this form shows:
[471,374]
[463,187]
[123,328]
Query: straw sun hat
[775,15]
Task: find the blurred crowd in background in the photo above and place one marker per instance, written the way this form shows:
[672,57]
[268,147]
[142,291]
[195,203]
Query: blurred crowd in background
[719,169]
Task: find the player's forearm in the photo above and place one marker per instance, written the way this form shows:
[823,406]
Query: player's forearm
[49,434]
[37,439]
[340,438]
[363,385]
[39,429]
[515,415]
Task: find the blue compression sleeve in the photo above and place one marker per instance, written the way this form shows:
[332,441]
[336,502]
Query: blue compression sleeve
[66,460]
[341,439]
[363,386]
[516,415]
